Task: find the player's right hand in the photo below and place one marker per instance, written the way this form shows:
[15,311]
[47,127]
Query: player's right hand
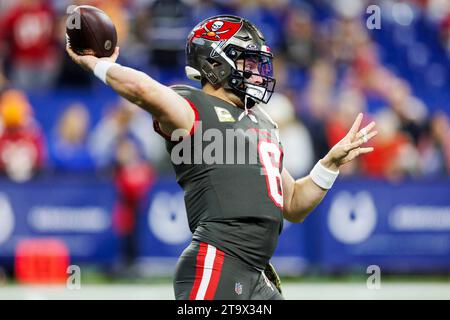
[88,61]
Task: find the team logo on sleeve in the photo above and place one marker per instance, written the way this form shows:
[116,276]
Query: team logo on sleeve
[217,30]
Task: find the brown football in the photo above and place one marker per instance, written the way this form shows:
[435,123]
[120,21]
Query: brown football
[90,31]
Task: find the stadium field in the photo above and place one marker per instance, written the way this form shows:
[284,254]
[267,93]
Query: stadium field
[292,291]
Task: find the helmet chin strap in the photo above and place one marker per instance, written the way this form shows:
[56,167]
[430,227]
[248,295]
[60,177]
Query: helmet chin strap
[247,111]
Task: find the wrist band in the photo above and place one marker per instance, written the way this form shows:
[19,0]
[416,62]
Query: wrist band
[322,176]
[101,68]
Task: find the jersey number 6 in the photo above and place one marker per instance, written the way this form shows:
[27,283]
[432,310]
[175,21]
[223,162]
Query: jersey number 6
[270,157]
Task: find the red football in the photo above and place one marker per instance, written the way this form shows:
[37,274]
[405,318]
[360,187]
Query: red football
[91,31]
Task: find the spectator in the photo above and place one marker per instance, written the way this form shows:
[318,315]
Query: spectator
[126,121]
[434,147]
[445,33]
[133,179]
[301,40]
[394,156]
[350,103]
[3,80]
[163,27]
[436,10]
[68,147]
[28,32]
[22,147]
[318,101]
[346,36]
[368,73]
[410,110]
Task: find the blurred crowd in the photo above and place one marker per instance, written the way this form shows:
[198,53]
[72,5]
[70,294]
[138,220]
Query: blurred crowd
[329,67]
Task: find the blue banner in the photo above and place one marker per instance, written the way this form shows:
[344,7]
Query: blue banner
[163,227]
[75,210]
[398,227]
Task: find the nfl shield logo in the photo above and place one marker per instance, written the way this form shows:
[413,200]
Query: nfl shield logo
[238,288]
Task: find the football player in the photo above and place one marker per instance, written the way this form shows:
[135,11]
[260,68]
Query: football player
[235,209]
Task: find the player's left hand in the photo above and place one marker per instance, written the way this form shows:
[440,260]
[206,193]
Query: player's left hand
[350,146]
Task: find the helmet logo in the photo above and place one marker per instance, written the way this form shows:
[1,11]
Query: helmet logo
[217,30]
[216,26]
[214,32]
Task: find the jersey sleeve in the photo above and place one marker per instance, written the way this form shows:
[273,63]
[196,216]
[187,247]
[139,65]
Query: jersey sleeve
[185,92]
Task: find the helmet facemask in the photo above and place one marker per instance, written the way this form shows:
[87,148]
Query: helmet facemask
[253,76]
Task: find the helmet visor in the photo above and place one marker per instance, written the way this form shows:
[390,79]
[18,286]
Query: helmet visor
[258,73]
[259,63]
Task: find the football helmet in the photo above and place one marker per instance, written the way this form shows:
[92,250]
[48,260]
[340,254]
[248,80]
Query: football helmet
[230,51]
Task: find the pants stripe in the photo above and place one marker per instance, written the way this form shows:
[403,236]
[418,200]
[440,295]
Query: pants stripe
[215,277]
[207,275]
[198,270]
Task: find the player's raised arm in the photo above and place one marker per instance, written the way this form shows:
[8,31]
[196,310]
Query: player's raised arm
[303,195]
[170,109]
